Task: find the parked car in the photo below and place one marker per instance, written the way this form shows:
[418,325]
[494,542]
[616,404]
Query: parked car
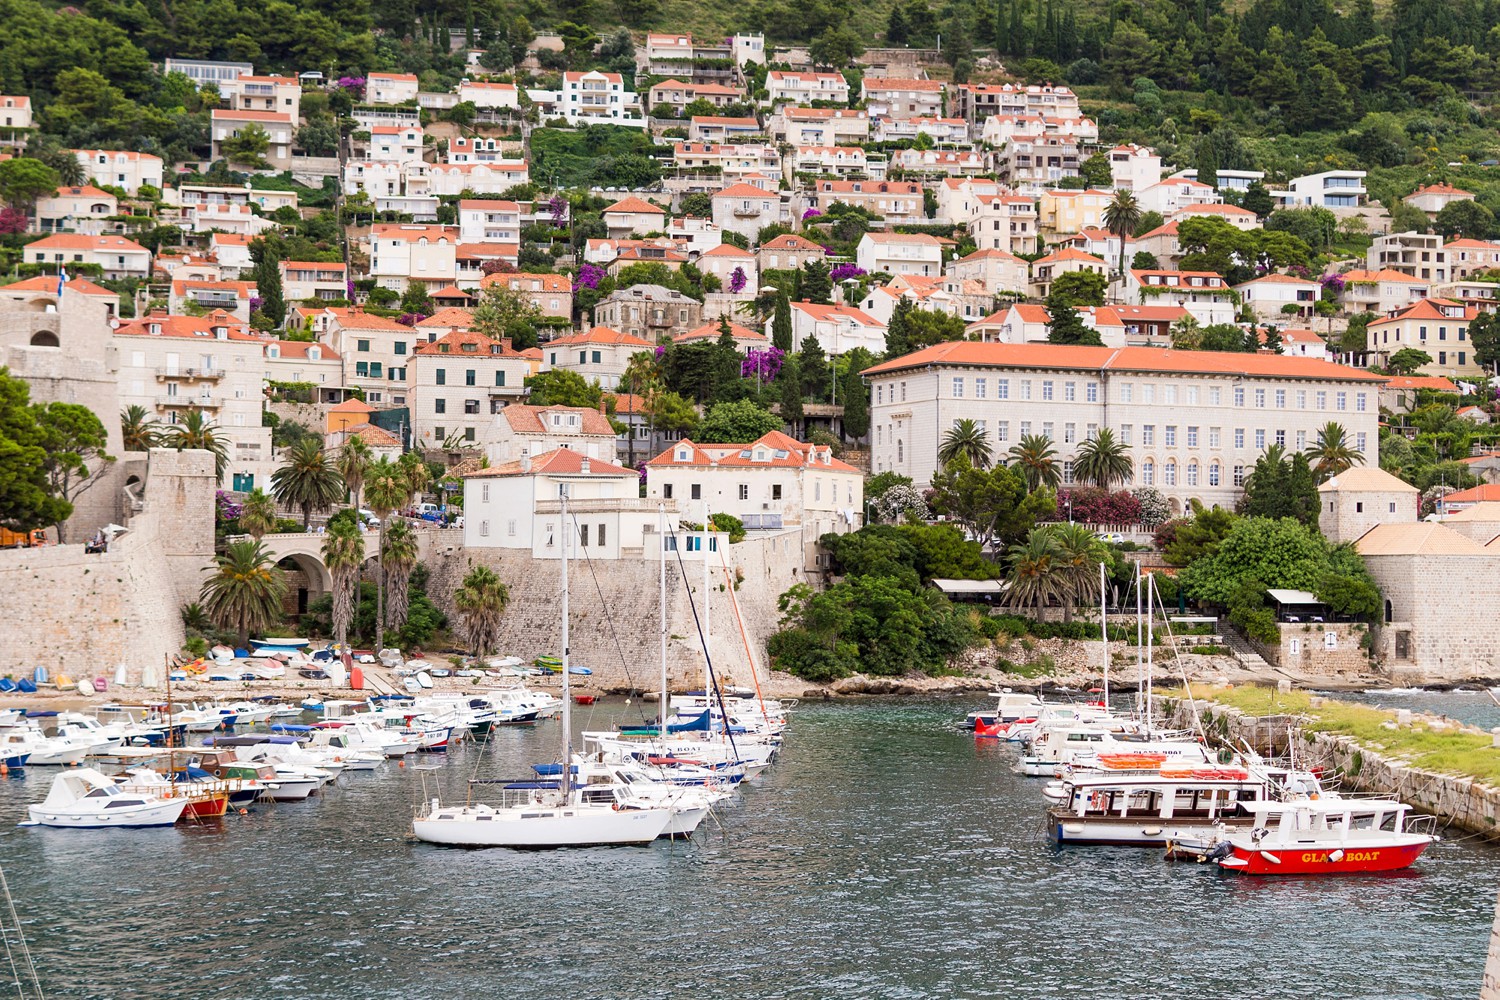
[368,516]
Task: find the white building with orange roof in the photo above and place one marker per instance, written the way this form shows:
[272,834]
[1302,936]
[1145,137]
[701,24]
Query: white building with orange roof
[375,350]
[249,92]
[15,117]
[787,87]
[550,293]
[458,382]
[196,297]
[225,217]
[80,208]
[1134,326]
[1469,256]
[403,253]
[998,270]
[902,97]
[938,129]
[746,209]
[1032,163]
[396,143]
[29,289]
[174,365]
[837,328]
[1402,393]
[1271,294]
[1063,212]
[390,88]
[900,253]
[116,256]
[231,251]
[940,162]
[447,319]
[1134,168]
[1239,218]
[472,259]
[1382,292]
[731,266]
[788,252]
[977,101]
[1174,194]
[958,197]
[708,166]
[521,429]
[838,160]
[744,337]
[1004,222]
[598,97]
[1205,294]
[280,129]
[1433,198]
[1302,343]
[674,95]
[1192,422]
[303,361]
[1018,323]
[514,505]
[1162,243]
[1047,269]
[490,178]
[773,483]
[694,234]
[671,256]
[121,168]
[488,221]
[601,354]
[631,215]
[931,294]
[475,149]
[309,279]
[897,202]
[819,126]
[1438,327]
[484,94]
[721,128]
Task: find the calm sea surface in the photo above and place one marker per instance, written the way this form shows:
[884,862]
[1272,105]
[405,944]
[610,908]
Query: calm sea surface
[886,856]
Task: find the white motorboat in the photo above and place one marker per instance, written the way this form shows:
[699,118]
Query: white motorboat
[1010,706]
[1059,747]
[87,799]
[41,750]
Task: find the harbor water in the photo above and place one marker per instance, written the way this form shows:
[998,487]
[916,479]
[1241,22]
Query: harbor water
[888,855]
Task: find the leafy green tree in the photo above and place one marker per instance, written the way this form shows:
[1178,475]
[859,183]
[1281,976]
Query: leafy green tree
[245,591]
[353,463]
[1484,334]
[1407,361]
[23,180]
[836,47]
[563,387]
[1068,328]
[481,600]
[74,440]
[817,285]
[1465,219]
[27,499]
[1095,171]
[503,313]
[968,440]
[1280,487]
[307,479]
[387,487]
[247,147]
[1079,553]
[739,422]
[813,365]
[926,327]
[1143,261]
[1198,537]
[1076,289]
[1258,200]
[996,506]
[1103,461]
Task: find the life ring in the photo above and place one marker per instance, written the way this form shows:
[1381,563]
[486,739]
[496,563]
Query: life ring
[615,806]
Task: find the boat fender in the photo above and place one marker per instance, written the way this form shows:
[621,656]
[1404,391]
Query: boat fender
[1270,857]
[1152,831]
[1336,856]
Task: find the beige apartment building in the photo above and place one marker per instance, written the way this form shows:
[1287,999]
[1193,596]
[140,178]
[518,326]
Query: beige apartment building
[1193,422]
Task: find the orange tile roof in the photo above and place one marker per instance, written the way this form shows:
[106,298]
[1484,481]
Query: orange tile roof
[1141,359]
[898,83]
[77,241]
[818,311]
[1434,382]
[198,327]
[720,120]
[791,241]
[451,292]
[1068,253]
[710,331]
[783,452]
[728,250]
[375,437]
[633,204]
[298,349]
[526,419]
[48,283]
[549,282]
[1118,315]
[558,462]
[1475,494]
[1276,279]
[602,335]
[449,316]
[453,344]
[987,254]
[352,405]
[1384,274]
[355,318]
[486,204]
[252,116]
[746,191]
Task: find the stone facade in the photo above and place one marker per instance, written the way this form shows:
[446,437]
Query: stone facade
[1432,631]
[1320,650]
[1354,502]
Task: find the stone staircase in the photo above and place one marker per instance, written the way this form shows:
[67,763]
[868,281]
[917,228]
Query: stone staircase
[1239,647]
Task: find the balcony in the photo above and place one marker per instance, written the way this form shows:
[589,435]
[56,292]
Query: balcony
[746,212]
[606,505]
[190,374]
[189,402]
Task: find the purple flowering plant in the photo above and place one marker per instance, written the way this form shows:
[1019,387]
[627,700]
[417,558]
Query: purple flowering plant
[737,280]
[762,364]
[589,276]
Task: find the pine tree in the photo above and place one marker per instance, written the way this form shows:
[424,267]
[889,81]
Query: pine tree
[781,323]
[1002,27]
[898,331]
[856,422]
[814,366]
[790,380]
[267,278]
[817,285]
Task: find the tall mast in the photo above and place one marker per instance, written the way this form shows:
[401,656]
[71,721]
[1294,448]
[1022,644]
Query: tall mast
[1150,641]
[707,627]
[662,524]
[567,699]
[1140,641]
[1104,630]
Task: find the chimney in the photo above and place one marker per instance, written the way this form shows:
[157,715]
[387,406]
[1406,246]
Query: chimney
[525,463]
[583,465]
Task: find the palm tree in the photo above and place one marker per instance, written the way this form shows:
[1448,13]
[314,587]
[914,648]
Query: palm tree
[481,600]
[344,554]
[386,489]
[967,439]
[246,590]
[1038,462]
[416,474]
[258,513]
[139,431]
[641,372]
[194,432]
[1332,454]
[354,462]
[1036,575]
[1102,461]
[195,619]
[1079,553]
[399,559]
[307,479]
[1121,216]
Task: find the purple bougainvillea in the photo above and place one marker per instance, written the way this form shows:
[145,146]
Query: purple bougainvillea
[846,271]
[642,470]
[227,509]
[762,364]
[354,83]
[349,289]
[255,302]
[558,206]
[661,351]
[589,276]
[410,319]
[737,280]
[811,213]
[1333,282]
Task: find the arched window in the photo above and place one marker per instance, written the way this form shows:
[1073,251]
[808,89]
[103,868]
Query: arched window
[44,338]
[1390,614]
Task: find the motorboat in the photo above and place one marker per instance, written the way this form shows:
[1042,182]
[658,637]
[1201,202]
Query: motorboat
[88,799]
[1010,706]
[1059,747]
[1324,836]
[204,799]
[1151,809]
[38,750]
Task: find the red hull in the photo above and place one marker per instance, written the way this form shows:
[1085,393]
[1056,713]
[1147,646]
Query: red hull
[1354,861]
[208,808]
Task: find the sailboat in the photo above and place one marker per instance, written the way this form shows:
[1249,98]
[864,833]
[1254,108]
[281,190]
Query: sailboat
[539,814]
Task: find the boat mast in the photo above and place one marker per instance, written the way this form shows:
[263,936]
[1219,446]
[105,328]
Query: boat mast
[567,701]
[662,522]
[1150,642]
[1140,666]
[1104,630]
[707,627]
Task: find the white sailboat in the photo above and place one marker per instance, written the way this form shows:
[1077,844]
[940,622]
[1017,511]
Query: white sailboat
[545,817]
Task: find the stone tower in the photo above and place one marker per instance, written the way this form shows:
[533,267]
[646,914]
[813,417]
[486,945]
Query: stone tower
[1355,501]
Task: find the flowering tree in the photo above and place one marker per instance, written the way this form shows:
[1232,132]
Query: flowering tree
[353,84]
[811,213]
[558,207]
[498,267]
[901,499]
[12,221]
[737,280]
[226,507]
[349,289]
[410,319]
[762,365]
[1092,505]
[255,303]
[589,276]
[846,271]
[1427,503]
[1333,283]
[1154,507]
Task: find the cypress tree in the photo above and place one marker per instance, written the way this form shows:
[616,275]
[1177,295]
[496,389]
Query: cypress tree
[856,422]
[267,277]
[781,323]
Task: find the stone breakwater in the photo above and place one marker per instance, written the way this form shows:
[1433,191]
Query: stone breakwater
[1459,801]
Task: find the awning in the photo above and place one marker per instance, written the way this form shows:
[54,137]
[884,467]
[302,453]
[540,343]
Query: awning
[1293,597]
[969,586]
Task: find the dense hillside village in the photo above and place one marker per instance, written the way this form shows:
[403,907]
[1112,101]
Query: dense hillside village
[913,312]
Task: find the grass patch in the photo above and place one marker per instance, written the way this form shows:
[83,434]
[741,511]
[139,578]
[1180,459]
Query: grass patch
[1446,751]
[1042,666]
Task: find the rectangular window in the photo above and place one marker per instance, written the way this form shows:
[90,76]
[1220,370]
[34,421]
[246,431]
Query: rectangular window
[1170,437]
[1239,475]
[1341,401]
[1213,474]
[958,388]
[1002,388]
[1260,439]
[1215,396]
[1301,399]
[601,534]
[1026,388]
[1127,392]
[1191,394]
[1002,430]
[1239,437]
[468,433]
[1301,440]
[361,370]
[696,491]
[363,346]
[583,357]
[400,347]
[879,394]
[1070,433]
[744,491]
[1047,429]
[1169,395]
[1091,432]
[1260,399]
[1046,389]
[1359,402]
[775,491]
[595,356]
[1169,474]
[1239,395]
[1148,394]
[1192,437]
[1192,474]
[471,406]
[666,491]
[1280,399]
[440,406]
[375,369]
[500,378]
[1091,392]
[1127,434]
[1148,435]
[442,376]
[583,534]
[1213,437]
[510,527]
[1322,400]
[981,386]
[484,529]
[1359,441]
[469,376]
[1281,439]
[1070,392]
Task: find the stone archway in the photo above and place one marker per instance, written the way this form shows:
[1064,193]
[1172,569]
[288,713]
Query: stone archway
[44,338]
[307,580]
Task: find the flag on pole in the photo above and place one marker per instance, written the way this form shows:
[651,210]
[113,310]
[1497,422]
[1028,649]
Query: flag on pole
[62,279]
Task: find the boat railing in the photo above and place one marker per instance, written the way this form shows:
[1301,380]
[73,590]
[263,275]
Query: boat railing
[1424,825]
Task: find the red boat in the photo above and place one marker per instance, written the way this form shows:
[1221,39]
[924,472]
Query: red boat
[584,699]
[1324,836]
